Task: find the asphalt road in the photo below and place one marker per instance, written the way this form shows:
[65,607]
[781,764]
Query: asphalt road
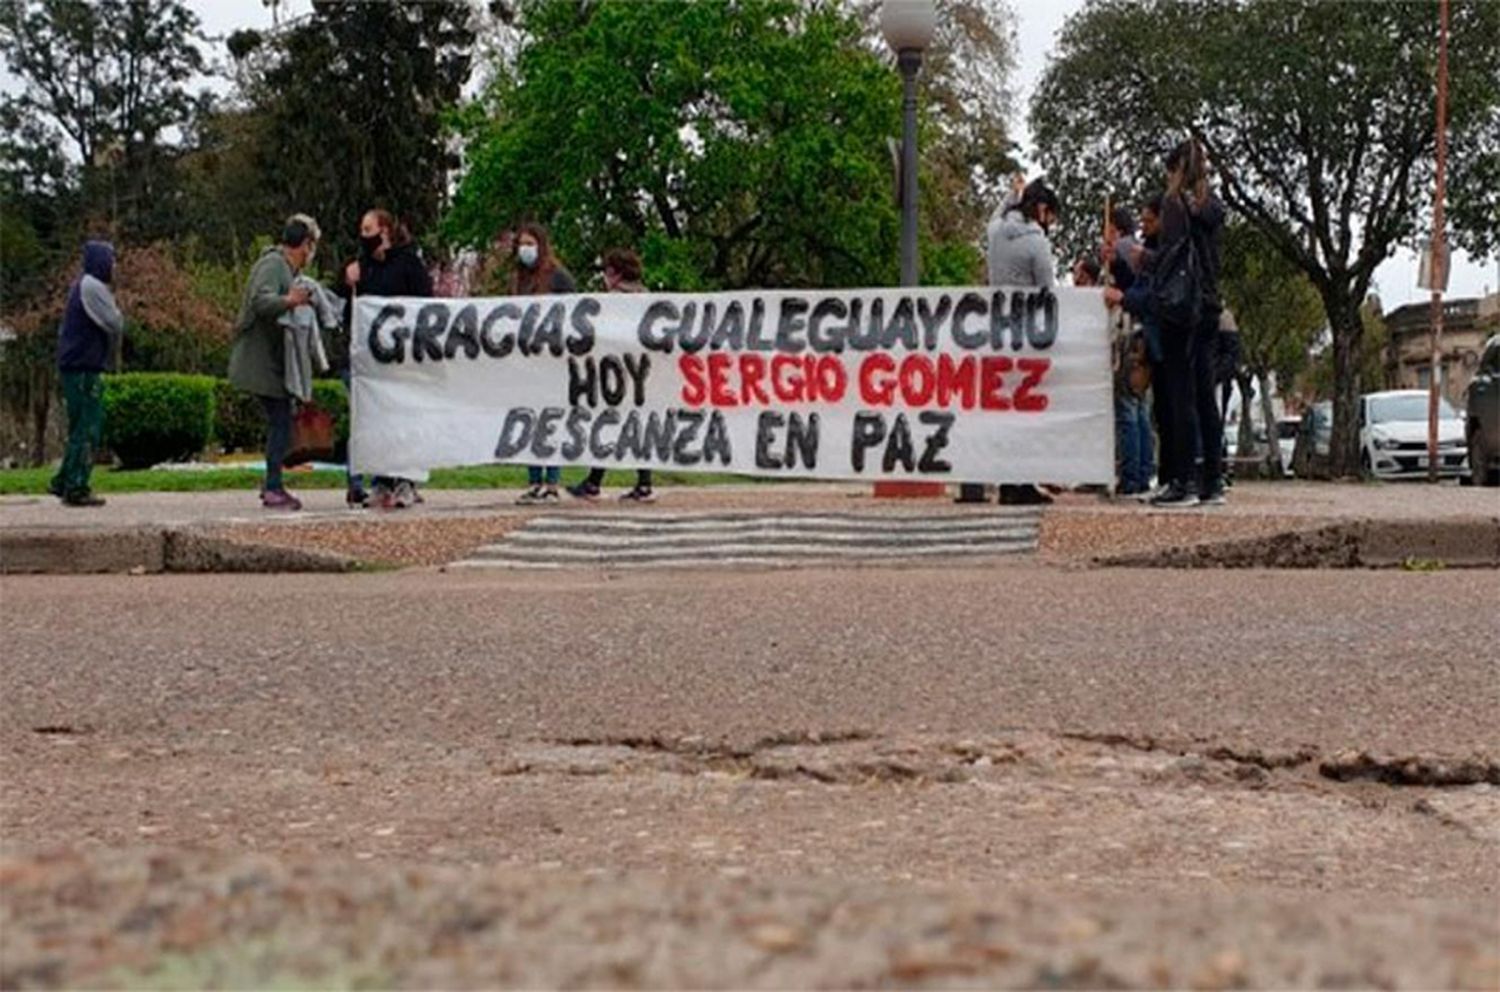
[1001,776]
[1390,661]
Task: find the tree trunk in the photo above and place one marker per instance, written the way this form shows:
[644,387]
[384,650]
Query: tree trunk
[41,406]
[1348,332]
[1245,442]
[1274,465]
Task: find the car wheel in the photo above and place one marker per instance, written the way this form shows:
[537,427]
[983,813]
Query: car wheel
[1479,461]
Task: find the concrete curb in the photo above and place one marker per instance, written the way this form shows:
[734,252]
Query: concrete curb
[150,550]
[1472,542]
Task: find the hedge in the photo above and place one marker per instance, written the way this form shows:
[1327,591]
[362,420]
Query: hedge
[152,417]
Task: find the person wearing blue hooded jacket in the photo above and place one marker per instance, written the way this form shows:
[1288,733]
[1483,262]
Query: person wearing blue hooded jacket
[91,325]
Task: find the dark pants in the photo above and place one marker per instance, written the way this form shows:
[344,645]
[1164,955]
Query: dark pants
[354,481]
[1133,452]
[1206,402]
[1178,407]
[278,438]
[595,478]
[83,394]
[535,473]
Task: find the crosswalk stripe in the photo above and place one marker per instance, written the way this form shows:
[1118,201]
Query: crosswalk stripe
[760,540]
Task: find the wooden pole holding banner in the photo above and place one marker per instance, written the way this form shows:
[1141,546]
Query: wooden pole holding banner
[1439,246]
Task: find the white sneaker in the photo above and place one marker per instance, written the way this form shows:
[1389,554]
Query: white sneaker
[536,494]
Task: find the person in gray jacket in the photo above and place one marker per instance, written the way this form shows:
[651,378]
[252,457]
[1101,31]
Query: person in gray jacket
[1019,254]
[257,359]
[92,325]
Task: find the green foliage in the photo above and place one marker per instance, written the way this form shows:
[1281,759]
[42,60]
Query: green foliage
[1278,312]
[734,144]
[1318,118]
[331,396]
[156,417]
[346,112]
[239,421]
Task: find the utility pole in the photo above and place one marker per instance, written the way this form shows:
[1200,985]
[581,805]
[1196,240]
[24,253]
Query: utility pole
[1439,245]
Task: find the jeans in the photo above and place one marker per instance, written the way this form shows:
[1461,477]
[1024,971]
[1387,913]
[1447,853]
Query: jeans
[278,438]
[596,478]
[1133,444]
[83,393]
[534,474]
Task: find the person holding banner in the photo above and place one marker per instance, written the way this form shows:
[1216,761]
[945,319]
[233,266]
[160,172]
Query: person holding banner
[388,265]
[622,274]
[539,273]
[257,359]
[1019,255]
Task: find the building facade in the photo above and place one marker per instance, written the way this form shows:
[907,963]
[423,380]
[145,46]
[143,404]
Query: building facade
[1467,324]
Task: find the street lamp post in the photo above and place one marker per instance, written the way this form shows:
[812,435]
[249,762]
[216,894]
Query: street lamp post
[908,26]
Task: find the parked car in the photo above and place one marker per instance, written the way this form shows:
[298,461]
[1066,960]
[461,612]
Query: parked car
[1482,416]
[1393,435]
[1286,438]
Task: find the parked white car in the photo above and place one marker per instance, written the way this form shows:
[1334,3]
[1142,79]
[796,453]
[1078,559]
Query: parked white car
[1393,435]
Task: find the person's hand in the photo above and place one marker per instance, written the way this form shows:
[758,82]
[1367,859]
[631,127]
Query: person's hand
[351,274]
[297,296]
[1113,297]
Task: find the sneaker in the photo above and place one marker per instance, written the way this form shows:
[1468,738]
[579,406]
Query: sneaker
[356,497]
[584,490]
[550,495]
[403,494]
[279,499]
[536,494]
[1213,495]
[83,499]
[1176,498]
[55,488]
[640,494]
[1023,496]
[1150,494]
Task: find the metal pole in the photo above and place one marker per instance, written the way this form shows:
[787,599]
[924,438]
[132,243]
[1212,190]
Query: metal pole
[909,60]
[1439,247]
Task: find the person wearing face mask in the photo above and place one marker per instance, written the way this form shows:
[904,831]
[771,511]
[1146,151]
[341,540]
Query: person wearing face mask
[388,265]
[539,273]
[257,359]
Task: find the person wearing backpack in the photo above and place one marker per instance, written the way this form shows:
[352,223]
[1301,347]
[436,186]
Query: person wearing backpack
[1184,300]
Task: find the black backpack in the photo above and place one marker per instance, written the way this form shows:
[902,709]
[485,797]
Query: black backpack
[1177,288]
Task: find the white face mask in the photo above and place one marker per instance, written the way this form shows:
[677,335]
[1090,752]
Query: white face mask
[527,255]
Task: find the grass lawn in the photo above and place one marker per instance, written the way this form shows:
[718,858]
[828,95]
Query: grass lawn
[33,481]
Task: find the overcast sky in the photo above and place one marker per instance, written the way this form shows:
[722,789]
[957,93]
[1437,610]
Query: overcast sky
[1038,24]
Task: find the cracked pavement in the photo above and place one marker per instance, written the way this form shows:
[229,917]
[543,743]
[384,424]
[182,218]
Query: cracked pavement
[969,776]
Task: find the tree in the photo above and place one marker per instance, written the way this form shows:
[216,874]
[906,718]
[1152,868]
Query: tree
[1319,120]
[344,110]
[735,144]
[108,79]
[1278,313]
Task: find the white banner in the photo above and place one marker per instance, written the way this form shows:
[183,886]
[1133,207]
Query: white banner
[956,384]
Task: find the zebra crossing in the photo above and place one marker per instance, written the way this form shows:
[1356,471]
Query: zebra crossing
[756,540]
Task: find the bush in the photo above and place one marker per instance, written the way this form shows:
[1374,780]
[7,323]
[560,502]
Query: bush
[331,395]
[239,421]
[157,417]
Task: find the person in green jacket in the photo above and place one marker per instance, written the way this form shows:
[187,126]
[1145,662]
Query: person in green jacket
[257,361]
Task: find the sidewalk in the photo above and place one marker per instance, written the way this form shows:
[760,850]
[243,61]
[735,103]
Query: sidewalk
[1077,527]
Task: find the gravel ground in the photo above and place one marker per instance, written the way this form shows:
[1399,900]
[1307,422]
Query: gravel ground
[167,919]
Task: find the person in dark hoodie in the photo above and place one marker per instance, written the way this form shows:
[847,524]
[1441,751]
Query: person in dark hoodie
[1190,210]
[388,265]
[1020,255]
[257,359]
[91,325]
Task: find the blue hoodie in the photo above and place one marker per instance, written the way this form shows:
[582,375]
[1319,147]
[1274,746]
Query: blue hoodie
[91,317]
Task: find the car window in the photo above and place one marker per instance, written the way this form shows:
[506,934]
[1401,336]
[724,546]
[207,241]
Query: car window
[1405,406]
